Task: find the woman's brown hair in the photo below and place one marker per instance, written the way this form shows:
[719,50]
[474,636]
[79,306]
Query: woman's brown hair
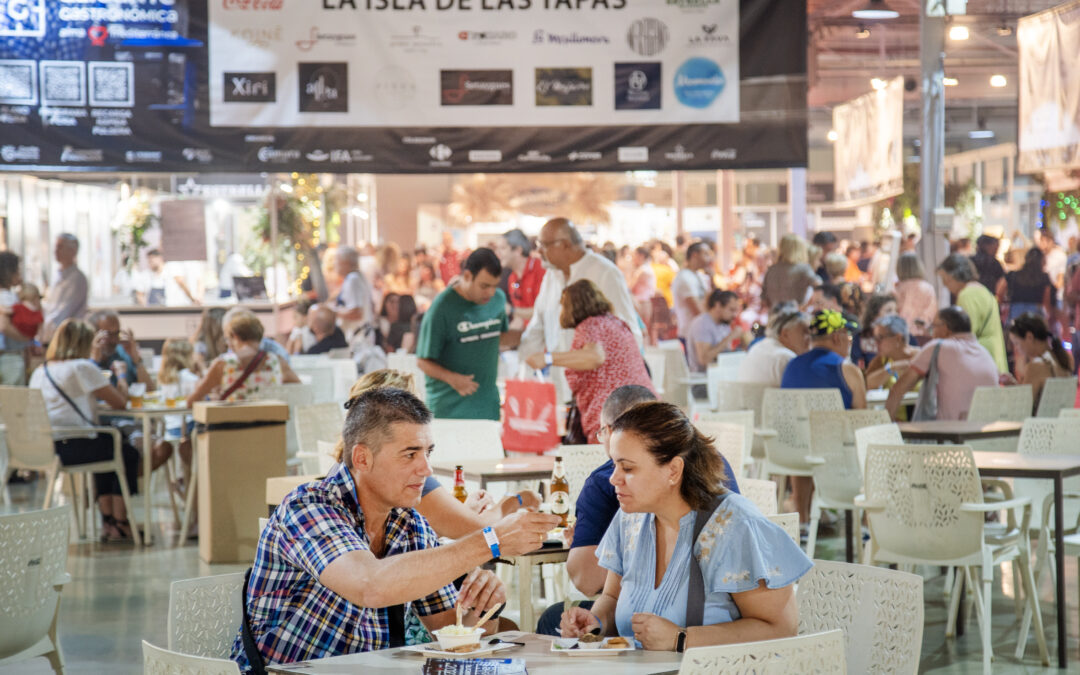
[668,434]
[580,300]
[73,340]
[386,377]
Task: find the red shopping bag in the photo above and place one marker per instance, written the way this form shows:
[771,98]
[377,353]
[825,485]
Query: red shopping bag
[529,418]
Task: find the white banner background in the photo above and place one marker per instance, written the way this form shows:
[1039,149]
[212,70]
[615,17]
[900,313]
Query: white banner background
[868,157]
[394,58]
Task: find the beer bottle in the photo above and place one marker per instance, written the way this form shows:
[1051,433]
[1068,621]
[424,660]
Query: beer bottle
[560,492]
[459,484]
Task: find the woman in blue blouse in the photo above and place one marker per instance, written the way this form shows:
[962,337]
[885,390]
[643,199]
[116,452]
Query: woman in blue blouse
[666,471]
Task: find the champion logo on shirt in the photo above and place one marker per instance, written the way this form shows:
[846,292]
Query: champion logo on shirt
[468,326]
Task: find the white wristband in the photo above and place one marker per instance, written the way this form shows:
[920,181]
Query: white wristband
[492,541]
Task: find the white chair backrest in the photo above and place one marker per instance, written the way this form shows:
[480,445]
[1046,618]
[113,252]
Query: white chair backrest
[345,376]
[28,432]
[790,523]
[462,440]
[205,614]
[1058,393]
[318,422]
[762,493]
[407,363]
[832,438]
[1069,412]
[33,563]
[991,404]
[326,461]
[1049,436]
[787,412]
[579,461]
[340,353]
[741,396]
[730,439]
[880,611]
[821,654]
[919,489]
[302,360]
[657,362]
[883,434]
[295,395]
[321,374]
[725,369]
[158,661]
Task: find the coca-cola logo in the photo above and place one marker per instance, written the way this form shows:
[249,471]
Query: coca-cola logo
[267,5]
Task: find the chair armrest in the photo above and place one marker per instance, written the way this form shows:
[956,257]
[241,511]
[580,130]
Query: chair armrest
[1005,488]
[63,433]
[987,507]
[763,432]
[860,501]
[814,459]
[1048,505]
[61,579]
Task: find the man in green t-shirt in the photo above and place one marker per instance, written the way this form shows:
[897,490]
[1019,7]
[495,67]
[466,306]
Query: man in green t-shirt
[458,349]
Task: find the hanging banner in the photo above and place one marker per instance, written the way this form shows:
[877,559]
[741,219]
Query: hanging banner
[401,86]
[1049,96]
[868,158]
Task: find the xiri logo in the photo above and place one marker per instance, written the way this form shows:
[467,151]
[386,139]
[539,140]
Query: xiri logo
[22,18]
[324,87]
[315,37]
[647,37]
[250,87]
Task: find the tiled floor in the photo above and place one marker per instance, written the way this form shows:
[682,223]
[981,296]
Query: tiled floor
[119,596]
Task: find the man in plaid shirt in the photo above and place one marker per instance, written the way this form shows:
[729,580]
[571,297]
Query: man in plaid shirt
[340,556]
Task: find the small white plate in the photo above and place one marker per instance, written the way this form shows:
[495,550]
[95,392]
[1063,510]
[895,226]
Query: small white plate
[565,646]
[432,649]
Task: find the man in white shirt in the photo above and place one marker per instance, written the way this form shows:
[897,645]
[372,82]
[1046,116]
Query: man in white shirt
[67,295]
[353,305]
[787,336]
[688,290]
[568,260]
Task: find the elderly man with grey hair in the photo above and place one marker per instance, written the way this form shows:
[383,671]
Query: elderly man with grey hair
[67,294]
[786,336]
[894,351]
[354,306]
[526,274]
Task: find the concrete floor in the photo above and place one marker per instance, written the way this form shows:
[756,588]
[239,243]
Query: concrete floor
[119,596]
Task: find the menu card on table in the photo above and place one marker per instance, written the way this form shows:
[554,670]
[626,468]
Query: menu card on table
[474,667]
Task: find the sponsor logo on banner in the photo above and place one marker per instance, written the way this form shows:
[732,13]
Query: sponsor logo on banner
[726,153]
[543,37]
[70,154]
[145,156]
[259,37]
[633,154]
[259,138]
[414,41]
[698,82]
[250,87]
[324,87]
[440,155]
[487,37]
[315,36]
[564,86]
[417,140]
[477,87]
[584,156]
[695,5]
[394,87]
[534,156]
[97,35]
[340,156]
[317,156]
[254,5]
[647,37]
[637,86]
[678,154]
[485,155]
[22,18]
[200,155]
[20,153]
[271,155]
[709,35]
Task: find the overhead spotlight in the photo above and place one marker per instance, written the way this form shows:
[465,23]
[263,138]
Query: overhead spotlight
[878,83]
[950,81]
[959,33]
[1004,30]
[998,81]
[832,136]
[862,33]
[875,9]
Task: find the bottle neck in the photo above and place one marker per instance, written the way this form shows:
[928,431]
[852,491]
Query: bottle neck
[459,477]
[558,471]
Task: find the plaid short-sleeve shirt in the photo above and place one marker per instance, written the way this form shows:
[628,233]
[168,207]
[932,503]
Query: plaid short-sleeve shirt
[293,616]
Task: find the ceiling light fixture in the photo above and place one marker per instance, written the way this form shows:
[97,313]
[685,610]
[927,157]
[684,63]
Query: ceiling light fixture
[959,33]
[874,10]
[950,81]
[832,136]
[862,32]
[998,81]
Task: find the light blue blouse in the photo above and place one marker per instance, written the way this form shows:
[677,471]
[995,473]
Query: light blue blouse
[737,548]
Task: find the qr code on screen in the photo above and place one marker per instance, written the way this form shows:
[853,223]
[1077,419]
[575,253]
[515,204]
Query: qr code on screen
[63,83]
[17,83]
[112,84]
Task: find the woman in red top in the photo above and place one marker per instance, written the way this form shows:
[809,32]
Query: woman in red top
[603,356]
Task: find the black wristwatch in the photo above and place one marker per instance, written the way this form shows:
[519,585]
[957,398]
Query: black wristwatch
[680,642]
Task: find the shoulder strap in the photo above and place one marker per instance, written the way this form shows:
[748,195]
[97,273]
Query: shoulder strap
[251,366]
[255,660]
[695,596]
[63,393]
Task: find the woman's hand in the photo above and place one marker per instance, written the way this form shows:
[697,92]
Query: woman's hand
[577,622]
[653,632]
[97,347]
[536,361]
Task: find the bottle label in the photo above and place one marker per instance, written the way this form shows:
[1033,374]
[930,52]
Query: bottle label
[560,503]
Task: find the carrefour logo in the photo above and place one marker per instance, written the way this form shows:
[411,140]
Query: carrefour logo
[698,82]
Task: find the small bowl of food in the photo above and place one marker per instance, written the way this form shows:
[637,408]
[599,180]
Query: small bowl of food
[455,638]
[590,641]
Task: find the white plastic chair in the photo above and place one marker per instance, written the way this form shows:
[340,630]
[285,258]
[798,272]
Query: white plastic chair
[462,440]
[324,458]
[676,373]
[718,424]
[821,654]
[30,437]
[925,506]
[879,610]
[33,571]
[315,423]
[745,396]
[322,379]
[1069,412]
[724,369]
[790,523]
[158,661]
[407,363]
[344,375]
[835,461]
[656,359]
[205,614]
[579,461]
[880,434]
[785,415]
[1058,393]
[295,396]
[761,493]
[1006,404]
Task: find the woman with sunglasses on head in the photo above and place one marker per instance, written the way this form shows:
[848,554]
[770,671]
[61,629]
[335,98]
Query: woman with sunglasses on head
[1045,355]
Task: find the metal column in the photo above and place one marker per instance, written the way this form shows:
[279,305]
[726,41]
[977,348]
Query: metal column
[932,246]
